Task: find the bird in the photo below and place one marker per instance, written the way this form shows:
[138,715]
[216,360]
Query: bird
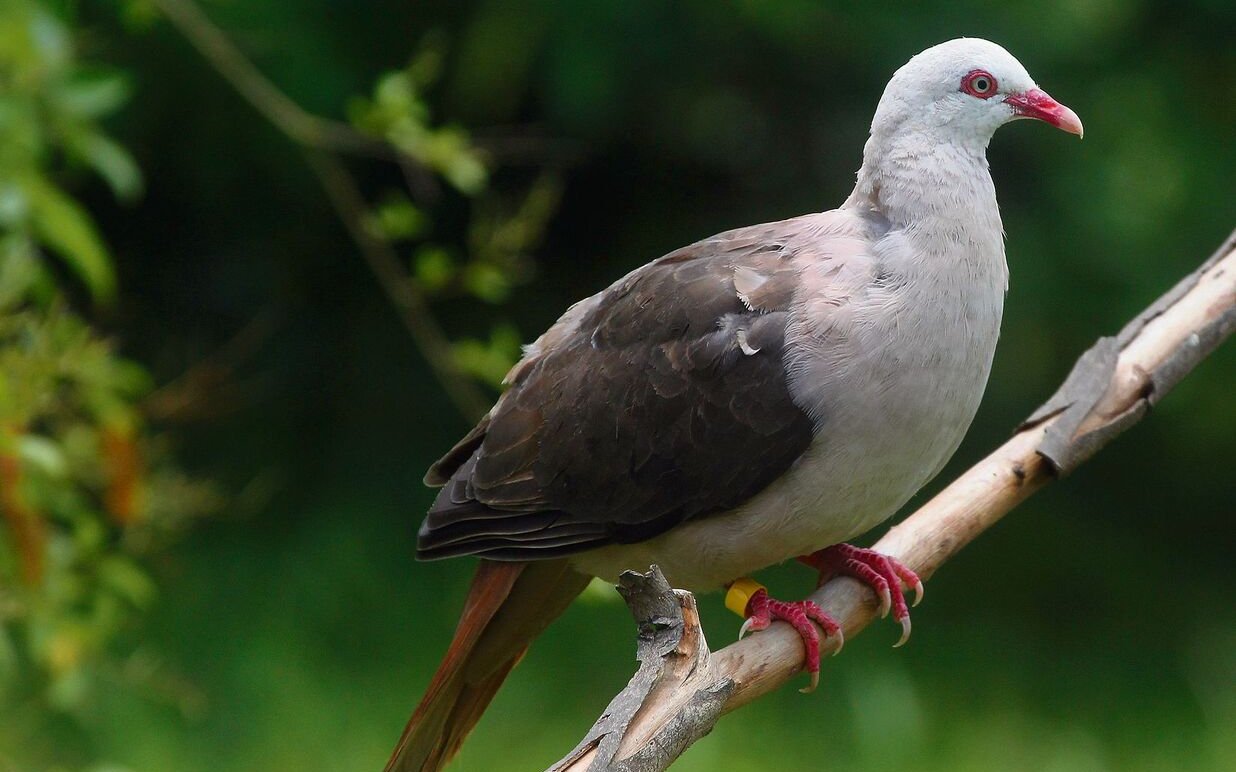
[761,395]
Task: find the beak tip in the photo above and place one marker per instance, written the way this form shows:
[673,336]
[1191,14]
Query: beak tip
[1071,123]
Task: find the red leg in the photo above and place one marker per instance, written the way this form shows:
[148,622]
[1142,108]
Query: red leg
[883,574]
[762,610]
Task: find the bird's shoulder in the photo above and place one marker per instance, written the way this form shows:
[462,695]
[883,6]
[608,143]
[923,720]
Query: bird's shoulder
[756,268]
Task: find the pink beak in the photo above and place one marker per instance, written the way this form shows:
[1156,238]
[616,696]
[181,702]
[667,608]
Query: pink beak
[1036,103]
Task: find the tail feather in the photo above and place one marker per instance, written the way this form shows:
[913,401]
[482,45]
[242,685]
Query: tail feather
[508,605]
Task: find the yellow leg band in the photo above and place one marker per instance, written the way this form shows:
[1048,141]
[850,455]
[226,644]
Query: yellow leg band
[739,595]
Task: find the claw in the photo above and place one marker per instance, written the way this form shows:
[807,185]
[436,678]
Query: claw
[905,631]
[746,627]
[811,687]
[918,592]
[886,602]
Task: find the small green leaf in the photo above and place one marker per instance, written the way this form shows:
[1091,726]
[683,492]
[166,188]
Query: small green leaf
[450,151]
[43,454]
[426,66]
[397,219]
[92,95]
[62,224]
[467,173]
[14,206]
[395,92]
[487,282]
[489,361]
[434,267]
[127,580]
[19,269]
[50,39]
[110,160]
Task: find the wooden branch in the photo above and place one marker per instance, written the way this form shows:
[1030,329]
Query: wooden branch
[682,688]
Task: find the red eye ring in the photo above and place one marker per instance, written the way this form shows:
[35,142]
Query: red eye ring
[979,83]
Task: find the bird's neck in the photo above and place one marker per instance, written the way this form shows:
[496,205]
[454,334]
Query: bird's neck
[939,193]
[912,178]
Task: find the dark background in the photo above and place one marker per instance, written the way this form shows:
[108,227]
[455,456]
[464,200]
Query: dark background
[1092,630]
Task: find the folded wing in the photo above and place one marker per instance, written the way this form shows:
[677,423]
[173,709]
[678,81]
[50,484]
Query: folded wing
[661,399]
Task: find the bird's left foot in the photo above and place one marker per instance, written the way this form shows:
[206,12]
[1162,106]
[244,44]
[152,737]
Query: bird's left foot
[883,574]
[760,610]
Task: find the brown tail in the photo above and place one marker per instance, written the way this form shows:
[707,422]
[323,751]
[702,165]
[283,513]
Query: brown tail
[508,605]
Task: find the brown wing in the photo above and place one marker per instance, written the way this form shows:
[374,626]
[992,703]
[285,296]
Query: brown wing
[661,399]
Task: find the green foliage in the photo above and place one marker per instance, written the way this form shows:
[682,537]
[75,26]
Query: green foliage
[89,495]
[489,360]
[398,113]
[86,494]
[504,228]
[50,108]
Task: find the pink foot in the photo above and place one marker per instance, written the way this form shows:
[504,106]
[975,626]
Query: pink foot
[883,574]
[762,610]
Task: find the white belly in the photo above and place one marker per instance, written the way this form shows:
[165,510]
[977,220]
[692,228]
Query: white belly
[855,475]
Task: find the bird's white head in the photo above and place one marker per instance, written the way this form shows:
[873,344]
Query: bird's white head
[961,92]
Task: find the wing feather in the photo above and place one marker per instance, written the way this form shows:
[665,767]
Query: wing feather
[661,399]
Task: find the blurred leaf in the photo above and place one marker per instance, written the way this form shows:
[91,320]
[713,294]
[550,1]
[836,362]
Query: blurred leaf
[426,66]
[130,379]
[19,269]
[68,689]
[14,206]
[51,37]
[486,282]
[398,219]
[113,163]
[434,268]
[140,15]
[127,580]
[448,150]
[44,455]
[489,360]
[10,661]
[67,228]
[90,95]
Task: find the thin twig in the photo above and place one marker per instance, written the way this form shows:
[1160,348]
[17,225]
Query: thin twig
[1111,387]
[322,139]
[385,265]
[287,116]
[207,387]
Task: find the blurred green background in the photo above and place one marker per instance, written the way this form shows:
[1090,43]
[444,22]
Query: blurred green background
[551,148]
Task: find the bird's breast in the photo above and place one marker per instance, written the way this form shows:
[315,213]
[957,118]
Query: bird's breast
[894,382]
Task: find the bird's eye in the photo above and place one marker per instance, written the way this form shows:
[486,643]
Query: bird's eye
[980,83]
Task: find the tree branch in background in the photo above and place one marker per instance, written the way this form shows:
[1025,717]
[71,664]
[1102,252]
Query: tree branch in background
[346,197]
[275,106]
[323,140]
[682,688]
